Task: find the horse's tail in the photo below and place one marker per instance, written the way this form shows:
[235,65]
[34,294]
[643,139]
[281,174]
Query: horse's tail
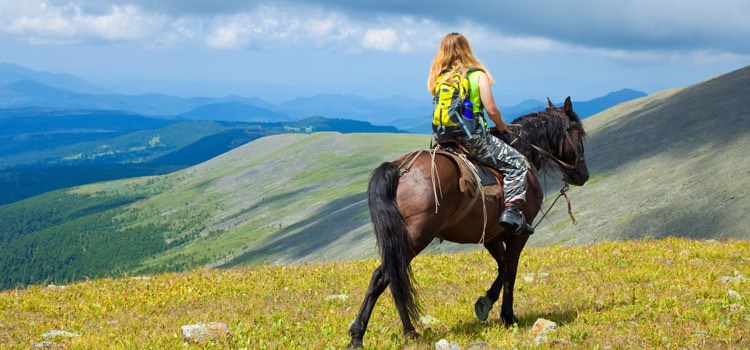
[392,236]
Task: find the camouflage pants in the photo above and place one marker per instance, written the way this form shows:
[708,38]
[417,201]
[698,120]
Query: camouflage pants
[492,151]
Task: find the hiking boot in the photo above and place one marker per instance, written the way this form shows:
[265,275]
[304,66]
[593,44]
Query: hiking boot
[525,229]
[513,219]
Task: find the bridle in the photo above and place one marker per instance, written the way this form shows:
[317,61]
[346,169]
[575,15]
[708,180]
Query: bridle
[557,159]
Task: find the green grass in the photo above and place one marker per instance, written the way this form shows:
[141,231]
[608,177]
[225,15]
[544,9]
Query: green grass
[646,294]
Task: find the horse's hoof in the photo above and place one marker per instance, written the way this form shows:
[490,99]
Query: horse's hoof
[509,320]
[412,335]
[482,308]
[355,344]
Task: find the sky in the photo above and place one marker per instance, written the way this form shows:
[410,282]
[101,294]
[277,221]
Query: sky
[280,49]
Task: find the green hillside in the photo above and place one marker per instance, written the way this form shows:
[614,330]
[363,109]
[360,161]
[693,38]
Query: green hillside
[646,294]
[279,199]
[674,163]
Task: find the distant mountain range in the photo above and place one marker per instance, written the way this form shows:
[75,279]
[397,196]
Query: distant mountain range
[22,87]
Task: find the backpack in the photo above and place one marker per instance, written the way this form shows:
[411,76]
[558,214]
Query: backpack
[451,98]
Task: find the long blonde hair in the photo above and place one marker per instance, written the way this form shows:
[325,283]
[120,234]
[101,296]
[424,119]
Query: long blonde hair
[453,54]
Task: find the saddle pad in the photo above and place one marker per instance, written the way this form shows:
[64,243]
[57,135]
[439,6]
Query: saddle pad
[486,175]
[490,184]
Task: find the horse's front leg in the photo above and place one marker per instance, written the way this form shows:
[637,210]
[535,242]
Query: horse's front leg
[484,304]
[378,283]
[512,255]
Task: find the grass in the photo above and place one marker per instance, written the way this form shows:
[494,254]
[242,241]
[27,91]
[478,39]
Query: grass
[645,294]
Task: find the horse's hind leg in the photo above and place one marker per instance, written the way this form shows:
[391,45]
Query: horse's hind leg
[378,283]
[484,304]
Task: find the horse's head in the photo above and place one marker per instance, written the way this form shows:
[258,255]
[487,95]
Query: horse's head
[570,150]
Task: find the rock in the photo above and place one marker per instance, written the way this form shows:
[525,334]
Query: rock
[479,346]
[560,342]
[58,333]
[443,344]
[46,345]
[531,277]
[541,328]
[735,308]
[428,321]
[338,297]
[199,333]
[734,295]
[736,278]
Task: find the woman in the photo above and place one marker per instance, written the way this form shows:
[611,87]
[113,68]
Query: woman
[454,55]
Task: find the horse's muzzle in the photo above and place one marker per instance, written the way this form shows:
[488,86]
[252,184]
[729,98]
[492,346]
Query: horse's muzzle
[577,178]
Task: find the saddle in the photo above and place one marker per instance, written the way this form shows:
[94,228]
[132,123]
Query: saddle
[471,169]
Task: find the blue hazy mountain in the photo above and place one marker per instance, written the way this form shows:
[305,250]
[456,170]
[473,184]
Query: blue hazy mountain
[22,88]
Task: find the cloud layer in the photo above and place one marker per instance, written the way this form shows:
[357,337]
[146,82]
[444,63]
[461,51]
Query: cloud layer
[612,28]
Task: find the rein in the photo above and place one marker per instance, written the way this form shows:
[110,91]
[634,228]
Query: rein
[563,193]
[564,190]
[544,152]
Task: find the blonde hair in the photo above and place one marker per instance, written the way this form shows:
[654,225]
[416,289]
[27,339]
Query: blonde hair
[454,54]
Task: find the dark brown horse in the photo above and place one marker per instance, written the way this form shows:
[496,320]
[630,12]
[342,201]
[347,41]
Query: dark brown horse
[409,207]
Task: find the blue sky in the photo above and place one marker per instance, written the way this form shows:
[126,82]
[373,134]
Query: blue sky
[279,49]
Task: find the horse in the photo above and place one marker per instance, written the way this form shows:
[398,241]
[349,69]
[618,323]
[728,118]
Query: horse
[412,205]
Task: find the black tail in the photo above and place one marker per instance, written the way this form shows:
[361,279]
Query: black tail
[391,233]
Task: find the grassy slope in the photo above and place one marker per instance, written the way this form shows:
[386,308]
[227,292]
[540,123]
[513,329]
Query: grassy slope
[280,199]
[673,163]
[637,294]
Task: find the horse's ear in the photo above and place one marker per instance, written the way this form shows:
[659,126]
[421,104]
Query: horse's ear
[549,104]
[568,106]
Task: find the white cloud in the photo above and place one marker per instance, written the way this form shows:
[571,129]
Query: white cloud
[235,33]
[42,23]
[384,39]
[121,23]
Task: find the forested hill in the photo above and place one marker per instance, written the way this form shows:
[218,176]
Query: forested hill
[43,150]
[278,199]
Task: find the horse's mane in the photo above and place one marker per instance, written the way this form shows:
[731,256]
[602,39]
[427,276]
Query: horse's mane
[545,129]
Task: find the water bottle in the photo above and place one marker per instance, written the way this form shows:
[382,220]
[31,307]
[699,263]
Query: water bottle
[468,110]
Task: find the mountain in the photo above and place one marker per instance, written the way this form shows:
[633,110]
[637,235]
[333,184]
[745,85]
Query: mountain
[419,119]
[586,109]
[234,111]
[10,73]
[376,111]
[670,164]
[21,87]
[25,88]
[43,150]
[673,163]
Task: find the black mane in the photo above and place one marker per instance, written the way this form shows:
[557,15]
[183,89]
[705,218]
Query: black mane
[546,129]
